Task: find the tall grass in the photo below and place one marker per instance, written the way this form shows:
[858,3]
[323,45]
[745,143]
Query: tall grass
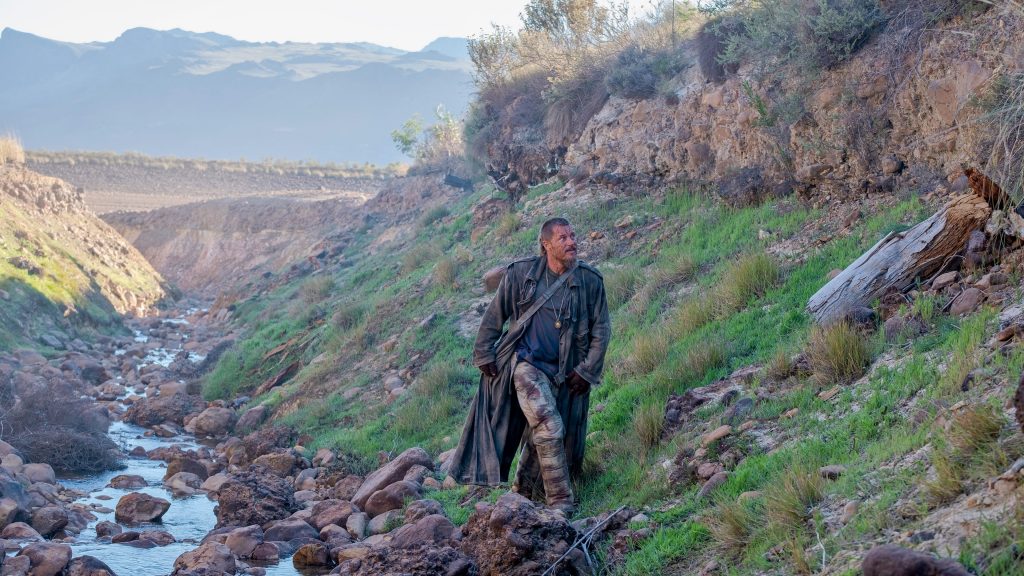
[11,151]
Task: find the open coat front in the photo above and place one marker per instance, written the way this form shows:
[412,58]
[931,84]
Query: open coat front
[495,425]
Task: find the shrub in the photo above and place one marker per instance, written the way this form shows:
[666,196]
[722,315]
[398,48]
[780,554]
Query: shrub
[752,275]
[316,289]
[787,502]
[433,215]
[732,525]
[507,225]
[838,353]
[11,151]
[711,44]
[692,314]
[348,315]
[648,423]
[639,74]
[445,272]
[974,428]
[650,348]
[68,450]
[417,256]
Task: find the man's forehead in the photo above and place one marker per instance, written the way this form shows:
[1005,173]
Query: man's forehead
[561,229]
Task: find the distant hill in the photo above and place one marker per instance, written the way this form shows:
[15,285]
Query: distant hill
[208,95]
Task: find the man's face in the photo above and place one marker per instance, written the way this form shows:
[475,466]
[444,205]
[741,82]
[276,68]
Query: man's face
[562,245]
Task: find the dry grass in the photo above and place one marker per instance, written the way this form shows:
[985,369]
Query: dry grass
[348,315]
[968,449]
[417,256]
[621,284]
[691,315]
[732,525]
[948,482]
[838,353]
[648,423]
[787,503]
[650,348]
[752,275]
[975,428]
[507,225]
[780,366]
[705,357]
[445,272]
[11,151]
[316,289]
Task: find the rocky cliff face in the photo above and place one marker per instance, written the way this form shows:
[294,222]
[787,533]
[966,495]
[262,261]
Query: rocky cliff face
[886,110]
[57,256]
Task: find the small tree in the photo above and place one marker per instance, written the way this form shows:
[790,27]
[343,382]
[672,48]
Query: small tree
[431,145]
[407,137]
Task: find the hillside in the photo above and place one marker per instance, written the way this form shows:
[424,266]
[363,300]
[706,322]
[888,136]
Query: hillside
[63,271]
[752,440]
[179,93]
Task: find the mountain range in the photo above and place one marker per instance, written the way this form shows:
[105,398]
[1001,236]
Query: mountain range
[181,93]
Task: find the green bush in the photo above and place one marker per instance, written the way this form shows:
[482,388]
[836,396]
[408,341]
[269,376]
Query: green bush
[640,74]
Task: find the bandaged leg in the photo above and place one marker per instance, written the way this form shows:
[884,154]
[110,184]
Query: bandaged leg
[538,405]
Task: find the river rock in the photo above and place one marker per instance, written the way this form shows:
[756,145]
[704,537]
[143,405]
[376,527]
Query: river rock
[290,529]
[88,566]
[390,473]
[515,537]
[12,489]
[892,560]
[153,411]
[209,558]
[49,519]
[312,556]
[106,529]
[384,523]
[362,560]
[266,552]
[335,535]
[357,525]
[213,422]
[213,483]
[139,507]
[183,484]
[16,566]
[251,419]
[20,531]
[39,473]
[125,537]
[158,537]
[185,464]
[391,497]
[253,497]
[434,530]
[243,541]
[323,457]
[11,512]
[280,463]
[127,482]
[329,512]
[46,558]
[420,509]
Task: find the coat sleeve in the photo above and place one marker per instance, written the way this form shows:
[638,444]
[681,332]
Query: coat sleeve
[600,334]
[498,311]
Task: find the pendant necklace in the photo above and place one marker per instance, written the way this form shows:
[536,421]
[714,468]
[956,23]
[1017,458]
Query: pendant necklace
[561,307]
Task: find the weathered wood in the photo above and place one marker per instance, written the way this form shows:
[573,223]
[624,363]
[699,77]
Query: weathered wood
[901,259]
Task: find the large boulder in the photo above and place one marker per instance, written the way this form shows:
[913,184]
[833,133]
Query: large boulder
[138,507]
[243,541]
[186,464]
[419,561]
[281,463]
[313,555]
[251,419]
[47,559]
[49,519]
[327,512]
[10,512]
[392,497]
[183,484]
[153,411]
[434,530]
[209,558]
[516,537]
[39,472]
[391,472]
[88,566]
[12,489]
[127,482]
[253,497]
[290,529]
[892,560]
[87,369]
[213,422]
[20,531]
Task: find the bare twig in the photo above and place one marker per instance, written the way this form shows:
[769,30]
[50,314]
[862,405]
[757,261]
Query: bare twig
[583,542]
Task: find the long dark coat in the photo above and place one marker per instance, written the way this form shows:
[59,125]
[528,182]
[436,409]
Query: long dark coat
[495,424]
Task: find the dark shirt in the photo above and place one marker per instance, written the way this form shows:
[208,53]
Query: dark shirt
[539,344]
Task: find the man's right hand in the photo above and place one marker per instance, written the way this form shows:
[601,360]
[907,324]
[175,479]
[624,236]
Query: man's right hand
[490,369]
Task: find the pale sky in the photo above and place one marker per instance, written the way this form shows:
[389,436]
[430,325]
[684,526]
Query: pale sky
[405,24]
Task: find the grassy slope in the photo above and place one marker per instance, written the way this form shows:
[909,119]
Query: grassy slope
[690,256]
[61,247]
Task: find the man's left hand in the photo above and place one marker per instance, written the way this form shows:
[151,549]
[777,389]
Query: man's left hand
[577,384]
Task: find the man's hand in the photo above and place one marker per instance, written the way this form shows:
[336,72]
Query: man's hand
[577,384]
[490,369]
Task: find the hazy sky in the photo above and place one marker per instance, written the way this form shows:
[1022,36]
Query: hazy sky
[406,24]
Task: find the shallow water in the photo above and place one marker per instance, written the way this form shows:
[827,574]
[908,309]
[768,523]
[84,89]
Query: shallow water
[188,519]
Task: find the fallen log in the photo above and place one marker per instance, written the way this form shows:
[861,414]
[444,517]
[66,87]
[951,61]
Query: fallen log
[901,259]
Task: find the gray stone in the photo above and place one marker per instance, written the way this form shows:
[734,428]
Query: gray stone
[209,558]
[391,472]
[47,559]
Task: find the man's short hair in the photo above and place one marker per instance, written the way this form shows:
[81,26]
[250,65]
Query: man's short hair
[547,229]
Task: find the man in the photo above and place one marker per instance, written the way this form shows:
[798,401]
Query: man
[537,375]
